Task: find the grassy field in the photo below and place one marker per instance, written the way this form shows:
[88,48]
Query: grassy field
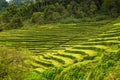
[80,51]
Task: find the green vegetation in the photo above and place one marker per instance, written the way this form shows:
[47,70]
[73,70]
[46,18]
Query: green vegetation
[12,63]
[68,54]
[60,40]
[3,4]
[47,11]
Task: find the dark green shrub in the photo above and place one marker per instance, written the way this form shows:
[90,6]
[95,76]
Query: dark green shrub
[114,12]
[5,17]
[111,7]
[15,23]
[55,16]
[12,63]
[37,17]
[3,26]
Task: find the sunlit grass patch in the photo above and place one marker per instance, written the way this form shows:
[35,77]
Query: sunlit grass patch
[117,24]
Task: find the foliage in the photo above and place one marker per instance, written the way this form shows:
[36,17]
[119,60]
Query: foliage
[3,26]
[11,18]
[37,17]
[15,23]
[3,4]
[12,63]
[93,8]
[55,16]
[106,66]
[105,69]
[112,7]
[52,11]
[48,11]
[76,71]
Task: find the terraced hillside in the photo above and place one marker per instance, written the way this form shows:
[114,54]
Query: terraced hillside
[38,38]
[75,51]
[63,45]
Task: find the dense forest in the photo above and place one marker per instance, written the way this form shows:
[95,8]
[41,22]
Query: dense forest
[48,11]
[59,39]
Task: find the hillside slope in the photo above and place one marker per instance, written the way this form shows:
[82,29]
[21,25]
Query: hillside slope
[83,50]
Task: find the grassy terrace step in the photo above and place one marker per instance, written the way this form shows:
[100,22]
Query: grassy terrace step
[41,61]
[106,48]
[113,31]
[73,43]
[66,55]
[37,49]
[116,28]
[46,64]
[53,58]
[35,65]
[76,52]
[102,43]
[79,39]
[90,48]
[73,57]
[56,62]
[40,39]
[95,46]
[76,56]
[104,39]
[110,35]
[41,58]
[85,51]
[66,60]
[18,40]
[66,45]
[49,60]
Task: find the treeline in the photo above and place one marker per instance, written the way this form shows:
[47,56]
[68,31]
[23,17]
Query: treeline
[51,11]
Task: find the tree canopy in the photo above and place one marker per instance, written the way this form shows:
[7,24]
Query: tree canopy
[48,11]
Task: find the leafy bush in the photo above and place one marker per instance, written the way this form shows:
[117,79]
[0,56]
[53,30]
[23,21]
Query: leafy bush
[55,16]
[37,17]
[12,63]
[107,65]
[15,23]
[10,22]
[3,26]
